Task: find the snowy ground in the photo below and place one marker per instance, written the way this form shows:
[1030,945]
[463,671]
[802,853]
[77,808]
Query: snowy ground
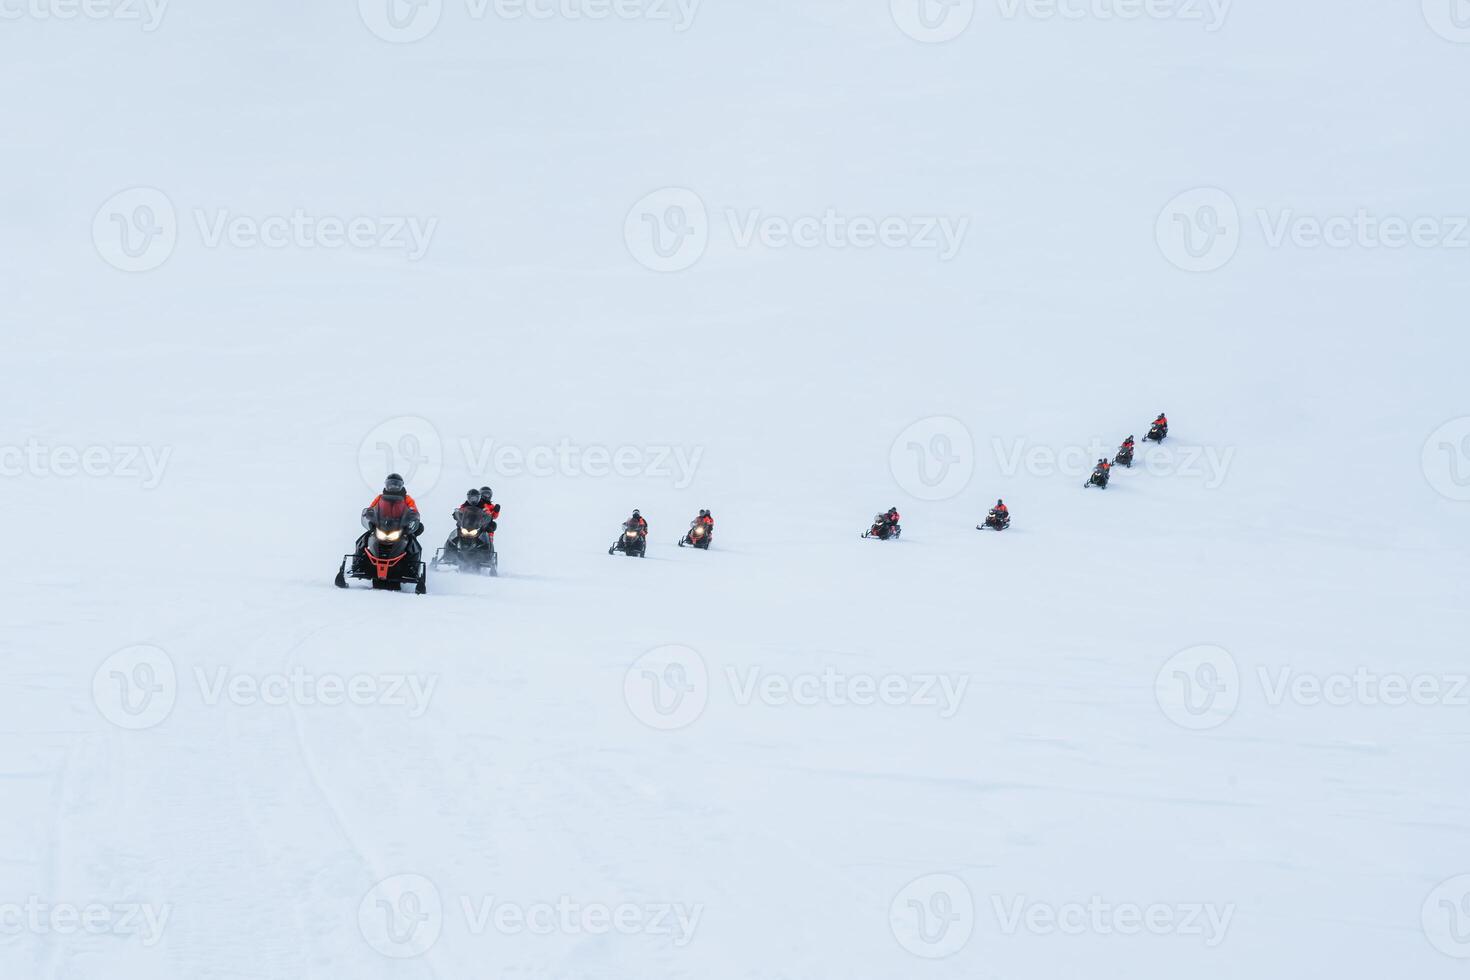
[1209,723]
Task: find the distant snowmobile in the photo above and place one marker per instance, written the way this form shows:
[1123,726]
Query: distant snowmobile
[701,532]
[995,521]
[885,527]
[469,549]
[1159,431]
[1125,454]
[1100,476]
[633,541]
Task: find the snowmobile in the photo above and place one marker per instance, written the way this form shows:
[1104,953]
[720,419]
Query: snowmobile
[470,549]
[883,529]
[699,536]
[633,542]
[1157,432]
[995,522]
[1098,479]
[388,555]
[1124,457]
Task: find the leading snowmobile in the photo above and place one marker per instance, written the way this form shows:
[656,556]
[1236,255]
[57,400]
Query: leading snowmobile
[1159,431]
[1100,475]
[998,519]
[388,554]
[633,541]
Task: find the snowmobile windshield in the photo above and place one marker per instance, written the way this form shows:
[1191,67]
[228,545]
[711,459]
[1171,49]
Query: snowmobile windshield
[472,519]
[391,514]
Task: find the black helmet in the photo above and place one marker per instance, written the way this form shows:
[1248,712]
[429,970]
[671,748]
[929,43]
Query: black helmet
[999,502]
[635,512]
[394,485]
[472,495]
[486,493]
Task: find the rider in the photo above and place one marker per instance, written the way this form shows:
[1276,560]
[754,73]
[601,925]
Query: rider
[636,523]
[471,505]
[1000,513]
[1103,469]
[1161,424]
[1127,446]
[393,503]
[491,508]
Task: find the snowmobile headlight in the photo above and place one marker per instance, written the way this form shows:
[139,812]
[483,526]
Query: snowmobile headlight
[632,534]
[389,535]
[467,532]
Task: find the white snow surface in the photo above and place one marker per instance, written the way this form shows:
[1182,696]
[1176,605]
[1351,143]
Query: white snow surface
[1031,796]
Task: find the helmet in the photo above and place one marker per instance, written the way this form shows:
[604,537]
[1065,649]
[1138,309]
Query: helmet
[472,496]
[635,512]
[394,485]
[486,493]
[999,502]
